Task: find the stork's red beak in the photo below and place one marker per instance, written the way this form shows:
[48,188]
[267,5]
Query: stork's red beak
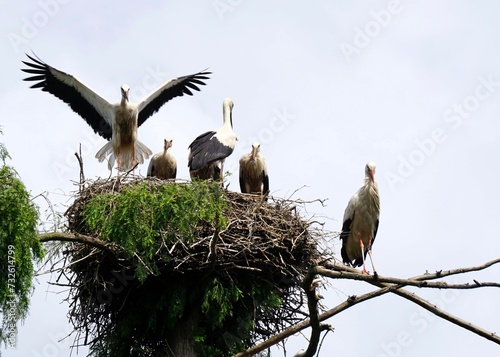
[254,152]
[372,175]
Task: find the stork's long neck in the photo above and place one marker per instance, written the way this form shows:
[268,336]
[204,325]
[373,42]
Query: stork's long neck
[228,117]
[371,191]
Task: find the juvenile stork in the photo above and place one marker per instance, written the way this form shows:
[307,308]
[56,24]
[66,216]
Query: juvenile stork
[253,172]
[361,222]
[163,164]
[209,150]
[116,122]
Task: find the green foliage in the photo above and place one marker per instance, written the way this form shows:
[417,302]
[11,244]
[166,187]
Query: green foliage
[146,322]
[218,301]
[19,246]
[144,217]
[229,310]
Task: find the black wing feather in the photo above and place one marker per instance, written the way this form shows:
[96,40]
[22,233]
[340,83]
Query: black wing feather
[346,229]
[206,149]
[242,185]
[375,232]
[48,82]
[180,88]
[265,182]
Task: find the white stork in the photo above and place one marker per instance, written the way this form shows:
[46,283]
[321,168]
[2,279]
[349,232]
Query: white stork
[163,164]
[116,122]
[253,172]
[209,150]
[360,222]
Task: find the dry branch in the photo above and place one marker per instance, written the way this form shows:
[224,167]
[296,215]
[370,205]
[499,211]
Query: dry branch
[76,238]
[420,283]
[397,284]
[445,273]
[386,285]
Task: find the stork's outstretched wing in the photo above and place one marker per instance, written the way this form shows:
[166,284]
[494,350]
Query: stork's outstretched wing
[176,87]
[94,109]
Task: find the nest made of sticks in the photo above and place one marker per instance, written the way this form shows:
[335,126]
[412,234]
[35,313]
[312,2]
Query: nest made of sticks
[268,241]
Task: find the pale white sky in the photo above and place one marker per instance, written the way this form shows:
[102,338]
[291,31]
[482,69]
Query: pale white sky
[326,87]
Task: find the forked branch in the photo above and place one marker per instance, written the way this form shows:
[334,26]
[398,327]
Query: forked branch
[386,285]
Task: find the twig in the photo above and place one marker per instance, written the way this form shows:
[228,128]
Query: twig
[79,157]
[442,274]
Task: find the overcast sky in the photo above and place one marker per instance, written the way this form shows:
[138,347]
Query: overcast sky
[326,86]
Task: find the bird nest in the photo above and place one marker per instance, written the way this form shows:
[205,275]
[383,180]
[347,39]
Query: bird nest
[261,241]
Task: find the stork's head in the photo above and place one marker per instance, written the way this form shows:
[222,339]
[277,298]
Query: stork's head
[255,149]
[167,143]
[125,89]
[228,103]
[370,171]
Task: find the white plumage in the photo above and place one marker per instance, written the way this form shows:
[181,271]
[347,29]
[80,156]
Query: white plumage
[163,164]
[209,150]
[116,122]
[360,223]
[300,353]
[254,178]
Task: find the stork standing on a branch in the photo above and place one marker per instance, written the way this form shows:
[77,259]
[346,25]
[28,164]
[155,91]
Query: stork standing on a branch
[116,122]
[360,222]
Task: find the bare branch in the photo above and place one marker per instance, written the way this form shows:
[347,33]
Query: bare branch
[445,315]
[396,289]
[351,301]
[309,286]
[442,274]
[345,272]
[75,238]
[398,281]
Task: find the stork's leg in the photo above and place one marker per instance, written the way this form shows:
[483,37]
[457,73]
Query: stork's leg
[133,160]
[371,258]
[362,246]
[119,161]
